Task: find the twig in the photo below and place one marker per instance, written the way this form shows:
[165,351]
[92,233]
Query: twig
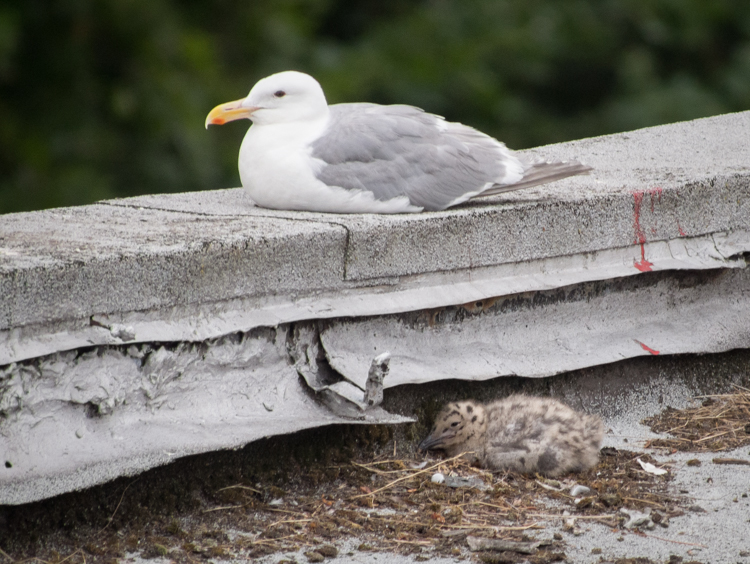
[374,470]
[659,505]
[669,540]
[289,521]
[418,543]
[8,556]
[394,482]
[241,487]
[481,543]
[111,518]
[731,461]
[576,517]
[223,507]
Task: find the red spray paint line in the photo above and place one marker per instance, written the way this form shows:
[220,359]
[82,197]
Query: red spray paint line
[640,237]
[643,265]
[647,348]
[679,228]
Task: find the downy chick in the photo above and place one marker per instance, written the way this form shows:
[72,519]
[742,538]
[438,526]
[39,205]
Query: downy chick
[520,433]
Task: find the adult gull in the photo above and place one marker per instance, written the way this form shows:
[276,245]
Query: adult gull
[302,154]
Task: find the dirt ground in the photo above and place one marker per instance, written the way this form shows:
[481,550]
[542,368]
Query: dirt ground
[245,504]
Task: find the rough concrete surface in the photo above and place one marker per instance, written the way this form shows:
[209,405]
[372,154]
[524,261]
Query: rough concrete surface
[76,419]
[716,535]
[178,256]
[545,333]
[139,330]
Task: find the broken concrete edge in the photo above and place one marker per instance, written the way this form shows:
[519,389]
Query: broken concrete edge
[546,333]
[190,391]
[72,413]
[161,259]
[123,410]
[29,490]
[198,322]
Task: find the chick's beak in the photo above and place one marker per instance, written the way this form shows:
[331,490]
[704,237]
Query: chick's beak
[430,442]
[230,111]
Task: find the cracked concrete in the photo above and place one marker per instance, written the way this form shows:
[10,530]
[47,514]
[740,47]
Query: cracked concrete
[187,274]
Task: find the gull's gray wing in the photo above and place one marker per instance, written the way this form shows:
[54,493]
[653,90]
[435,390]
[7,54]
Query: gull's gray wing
[400,150]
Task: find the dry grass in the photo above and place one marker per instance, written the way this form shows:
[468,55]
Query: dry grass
[391,505]
[721,422]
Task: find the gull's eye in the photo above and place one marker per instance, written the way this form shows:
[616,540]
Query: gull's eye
[279,93]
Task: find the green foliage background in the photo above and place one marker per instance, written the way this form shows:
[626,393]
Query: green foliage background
[104,98]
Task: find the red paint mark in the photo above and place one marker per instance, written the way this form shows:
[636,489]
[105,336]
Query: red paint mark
[647,348]
[655,194]
[679,229]
[637,201]
[640,237]
[643,265]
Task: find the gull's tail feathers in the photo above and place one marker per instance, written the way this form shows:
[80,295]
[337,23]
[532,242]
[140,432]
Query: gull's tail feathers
[540,172]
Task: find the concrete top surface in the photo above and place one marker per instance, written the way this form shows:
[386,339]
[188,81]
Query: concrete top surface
[157,252]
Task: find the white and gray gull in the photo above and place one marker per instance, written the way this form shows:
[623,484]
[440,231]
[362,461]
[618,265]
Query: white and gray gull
[302,154]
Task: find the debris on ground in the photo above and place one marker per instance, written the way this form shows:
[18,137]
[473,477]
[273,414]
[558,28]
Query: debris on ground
[410,505]
[720,422]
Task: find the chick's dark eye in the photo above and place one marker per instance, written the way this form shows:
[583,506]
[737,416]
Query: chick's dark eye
[279,93]
[454,423]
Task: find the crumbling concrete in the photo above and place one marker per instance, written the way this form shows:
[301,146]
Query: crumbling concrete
[139,323]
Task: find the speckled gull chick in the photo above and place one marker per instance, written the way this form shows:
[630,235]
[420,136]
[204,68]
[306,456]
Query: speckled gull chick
[521,433]
[302,154]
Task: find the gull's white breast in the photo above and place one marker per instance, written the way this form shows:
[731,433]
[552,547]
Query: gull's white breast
[279,172]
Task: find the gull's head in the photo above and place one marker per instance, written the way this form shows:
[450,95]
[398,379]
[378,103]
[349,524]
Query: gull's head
[284,97]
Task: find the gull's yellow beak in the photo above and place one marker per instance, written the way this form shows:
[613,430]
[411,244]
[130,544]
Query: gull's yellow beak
[230,111]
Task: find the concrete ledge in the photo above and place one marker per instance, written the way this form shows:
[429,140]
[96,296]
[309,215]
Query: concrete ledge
[135,331]
[193,266]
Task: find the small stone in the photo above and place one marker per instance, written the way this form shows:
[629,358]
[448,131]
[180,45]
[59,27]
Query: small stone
[596,551]
[364,547]
[557,536]
[693,462]
[637,518]
[579,490]
[611,500]
[79,433]
[744,553]
[438,478]
[314,556]
[584,502]
[328,550]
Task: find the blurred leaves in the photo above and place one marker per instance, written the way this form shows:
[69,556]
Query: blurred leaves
[106,98]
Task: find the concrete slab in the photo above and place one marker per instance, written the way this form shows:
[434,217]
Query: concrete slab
[79,418]
[180,312]
[200,265]
[545,333]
